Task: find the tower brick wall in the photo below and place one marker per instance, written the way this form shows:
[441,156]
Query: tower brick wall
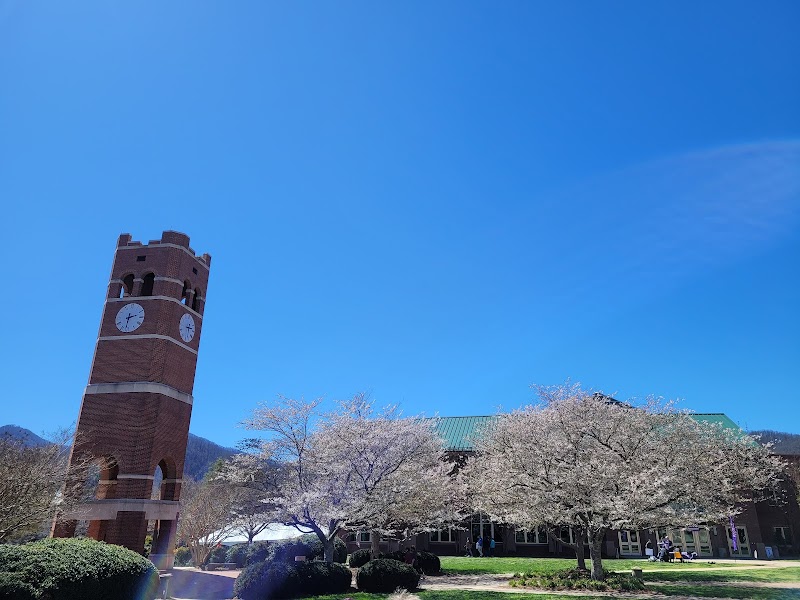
[136,409]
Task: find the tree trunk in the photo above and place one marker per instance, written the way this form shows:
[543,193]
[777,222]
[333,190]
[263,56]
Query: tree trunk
[580,547]
[375,543]
[580,554]
[596,537]
[328,547]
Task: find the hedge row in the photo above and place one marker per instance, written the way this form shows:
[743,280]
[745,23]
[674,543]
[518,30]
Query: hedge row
[283,551]
[428,562]
[74,569]
[274,579]
[386,575]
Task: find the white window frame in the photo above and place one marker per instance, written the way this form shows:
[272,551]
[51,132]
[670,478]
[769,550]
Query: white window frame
[532,537]
[443,536]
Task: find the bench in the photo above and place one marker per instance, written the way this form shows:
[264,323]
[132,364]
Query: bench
[214,565]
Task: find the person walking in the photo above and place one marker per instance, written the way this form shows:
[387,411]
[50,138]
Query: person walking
[479,546]
[491,545]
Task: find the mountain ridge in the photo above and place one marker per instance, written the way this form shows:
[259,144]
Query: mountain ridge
[201,452]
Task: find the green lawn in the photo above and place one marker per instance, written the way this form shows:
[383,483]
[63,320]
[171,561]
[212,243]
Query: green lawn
[465,564]
[726,591]
[784,574]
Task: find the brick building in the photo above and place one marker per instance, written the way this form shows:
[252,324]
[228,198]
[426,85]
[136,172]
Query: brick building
[760,526]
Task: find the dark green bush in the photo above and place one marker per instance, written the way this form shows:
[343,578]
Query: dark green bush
[237,554]
[286,550]
[386,575]
[272,579]
[257,553]
[428,562]
[76,569]
[183,556]
[218,555]
[13,587]
[360,557]
[317,550]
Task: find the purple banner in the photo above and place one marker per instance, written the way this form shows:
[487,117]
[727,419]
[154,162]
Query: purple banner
[734,536]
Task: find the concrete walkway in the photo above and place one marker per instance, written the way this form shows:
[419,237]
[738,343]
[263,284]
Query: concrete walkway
[188,583]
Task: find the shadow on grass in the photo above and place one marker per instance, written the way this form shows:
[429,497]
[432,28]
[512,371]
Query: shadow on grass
[725,591]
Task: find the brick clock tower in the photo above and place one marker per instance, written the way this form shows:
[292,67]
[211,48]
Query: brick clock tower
[136,409]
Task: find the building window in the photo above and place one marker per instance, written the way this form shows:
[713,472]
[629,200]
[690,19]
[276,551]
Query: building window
[782,536]
[127,286]
[147,284]
[364,536]
[537,535]
[444,535]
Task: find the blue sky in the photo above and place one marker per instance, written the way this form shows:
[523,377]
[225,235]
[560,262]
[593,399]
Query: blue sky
[439,203]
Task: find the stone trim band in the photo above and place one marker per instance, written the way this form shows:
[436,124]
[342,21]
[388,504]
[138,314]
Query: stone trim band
[150,336]
[103,510]
[139,387]
[145,298]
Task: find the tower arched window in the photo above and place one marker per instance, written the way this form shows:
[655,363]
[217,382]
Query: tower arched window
[187,289]
[127,286]
[147,284]
[197,293]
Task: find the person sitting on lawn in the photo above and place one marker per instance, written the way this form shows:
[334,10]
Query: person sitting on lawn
[688,555]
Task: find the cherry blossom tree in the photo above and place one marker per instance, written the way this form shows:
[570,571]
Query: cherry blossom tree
[398,466]
[206,516]
[585,460]
[353,468]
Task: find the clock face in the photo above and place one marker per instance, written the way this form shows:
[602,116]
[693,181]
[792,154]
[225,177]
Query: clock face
[186,327]
[130,317]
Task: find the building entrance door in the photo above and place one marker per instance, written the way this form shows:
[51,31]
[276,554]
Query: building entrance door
[629,543]
[696,540]
[743,542]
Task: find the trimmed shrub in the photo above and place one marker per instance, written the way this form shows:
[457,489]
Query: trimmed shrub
[324,578]
[386,575]
[257,553]
[13,587]
[183,556]
[317,550]
[218,555]
[267,580]
[237,554]
[429,562]
[75,569]
[360,557]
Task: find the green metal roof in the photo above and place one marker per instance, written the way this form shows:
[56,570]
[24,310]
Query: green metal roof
[716,419]
[458,433]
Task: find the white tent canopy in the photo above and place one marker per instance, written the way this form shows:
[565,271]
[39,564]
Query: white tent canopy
[273,532]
